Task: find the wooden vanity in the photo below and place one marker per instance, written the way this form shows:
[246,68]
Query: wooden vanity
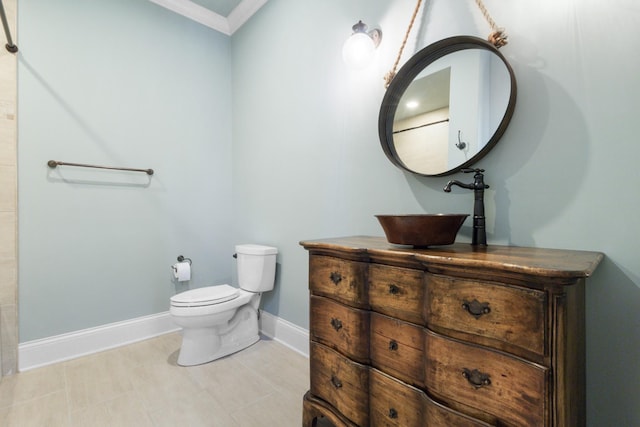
[448,336]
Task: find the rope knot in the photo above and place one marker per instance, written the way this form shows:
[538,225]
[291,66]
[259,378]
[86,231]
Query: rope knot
[498,38]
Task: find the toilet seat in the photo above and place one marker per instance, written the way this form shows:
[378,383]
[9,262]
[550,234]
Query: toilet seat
[209,295]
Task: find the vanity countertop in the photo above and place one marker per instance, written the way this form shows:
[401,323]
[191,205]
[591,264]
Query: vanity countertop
[550,263]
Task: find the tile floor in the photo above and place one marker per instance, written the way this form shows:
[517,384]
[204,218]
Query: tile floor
[141,385]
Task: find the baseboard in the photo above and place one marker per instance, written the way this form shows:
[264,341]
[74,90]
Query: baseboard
[286,333]
[46,351]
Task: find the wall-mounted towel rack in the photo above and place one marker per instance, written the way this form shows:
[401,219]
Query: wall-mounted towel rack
[53,163]
[9,46]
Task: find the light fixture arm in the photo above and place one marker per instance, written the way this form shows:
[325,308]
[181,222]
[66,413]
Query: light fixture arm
[375,34]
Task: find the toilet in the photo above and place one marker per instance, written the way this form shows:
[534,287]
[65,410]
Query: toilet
[220,320]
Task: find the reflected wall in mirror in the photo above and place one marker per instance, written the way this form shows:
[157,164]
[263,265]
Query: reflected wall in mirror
[447,106]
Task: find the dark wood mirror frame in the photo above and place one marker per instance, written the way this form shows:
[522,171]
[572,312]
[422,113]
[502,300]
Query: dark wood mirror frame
[406,76]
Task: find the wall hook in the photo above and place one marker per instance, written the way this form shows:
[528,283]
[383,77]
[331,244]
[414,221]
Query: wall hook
[460,144]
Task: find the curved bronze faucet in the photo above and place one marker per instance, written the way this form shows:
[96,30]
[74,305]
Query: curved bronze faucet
[479,236]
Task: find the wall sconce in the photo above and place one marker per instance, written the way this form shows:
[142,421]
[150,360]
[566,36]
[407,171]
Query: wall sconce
[358,50]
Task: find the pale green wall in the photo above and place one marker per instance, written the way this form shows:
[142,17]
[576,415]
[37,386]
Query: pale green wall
[307,161]
[118,83]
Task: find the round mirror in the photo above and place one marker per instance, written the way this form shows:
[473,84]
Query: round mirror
[447,106]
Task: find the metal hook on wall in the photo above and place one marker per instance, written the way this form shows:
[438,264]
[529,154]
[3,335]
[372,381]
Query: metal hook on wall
[460,144]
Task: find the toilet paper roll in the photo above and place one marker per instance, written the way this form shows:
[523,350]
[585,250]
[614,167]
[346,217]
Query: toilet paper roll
[182,271]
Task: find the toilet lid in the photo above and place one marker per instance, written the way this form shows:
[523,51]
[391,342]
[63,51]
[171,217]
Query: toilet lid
[205,296]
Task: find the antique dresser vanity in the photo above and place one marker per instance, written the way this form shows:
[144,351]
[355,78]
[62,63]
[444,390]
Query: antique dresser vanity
[445,336]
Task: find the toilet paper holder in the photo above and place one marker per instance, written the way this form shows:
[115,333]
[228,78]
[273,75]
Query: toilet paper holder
[181,271]
[181,259]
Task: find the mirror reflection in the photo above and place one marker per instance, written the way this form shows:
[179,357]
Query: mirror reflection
[443,111]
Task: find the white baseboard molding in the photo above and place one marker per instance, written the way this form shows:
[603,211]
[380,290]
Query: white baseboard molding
[47,351]
[286,333]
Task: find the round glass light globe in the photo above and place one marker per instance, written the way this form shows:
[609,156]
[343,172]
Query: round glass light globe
[358,50]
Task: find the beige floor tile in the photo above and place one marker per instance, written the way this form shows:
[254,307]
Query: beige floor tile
[50,411]
[275,409]
[99,367]
[175,390]
[232,384]
[83,394]
[159,373]
[285,369]
[16,389]
[199,410]
[124,411]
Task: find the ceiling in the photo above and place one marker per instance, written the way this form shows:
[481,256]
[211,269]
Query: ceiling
[225,16]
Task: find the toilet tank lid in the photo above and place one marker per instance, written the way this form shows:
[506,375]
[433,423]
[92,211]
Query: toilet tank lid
[251,249]
[207,294]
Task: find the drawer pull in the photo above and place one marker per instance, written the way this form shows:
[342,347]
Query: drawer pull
[336,323]
[335,381]
[476,308]
[393,413]
[335,277]
[394,290]
[476,378]
[393,345]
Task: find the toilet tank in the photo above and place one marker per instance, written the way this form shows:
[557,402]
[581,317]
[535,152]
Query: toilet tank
[256,267]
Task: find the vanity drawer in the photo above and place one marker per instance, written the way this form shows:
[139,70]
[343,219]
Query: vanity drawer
[339,279]
[342,383]
[508,315]
[397,292]
[340,327]
[397,348]
[394,403]
[508,388]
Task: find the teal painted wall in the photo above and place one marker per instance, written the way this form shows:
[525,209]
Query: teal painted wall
[118,83]
[307,161]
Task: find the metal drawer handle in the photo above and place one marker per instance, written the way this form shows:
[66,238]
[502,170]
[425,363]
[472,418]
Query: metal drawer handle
[394,290]
[393,345]
[393,413]
[336,323]
[476,378]
[476,308]
[335,381]
[335,277]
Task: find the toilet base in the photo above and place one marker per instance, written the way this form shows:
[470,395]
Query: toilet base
[203,345]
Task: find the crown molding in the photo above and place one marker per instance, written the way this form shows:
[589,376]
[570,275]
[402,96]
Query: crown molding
[204,16]
[241,14]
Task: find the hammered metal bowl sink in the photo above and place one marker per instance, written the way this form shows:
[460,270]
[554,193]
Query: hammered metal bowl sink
[422,230]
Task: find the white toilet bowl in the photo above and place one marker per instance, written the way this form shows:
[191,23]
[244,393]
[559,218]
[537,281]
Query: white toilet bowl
[220,320]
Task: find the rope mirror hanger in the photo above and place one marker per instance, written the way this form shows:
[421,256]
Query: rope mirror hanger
[498,37]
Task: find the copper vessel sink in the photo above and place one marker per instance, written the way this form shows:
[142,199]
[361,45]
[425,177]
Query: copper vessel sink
[422,230]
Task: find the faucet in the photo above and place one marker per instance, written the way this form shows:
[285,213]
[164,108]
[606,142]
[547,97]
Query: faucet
[479,236]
